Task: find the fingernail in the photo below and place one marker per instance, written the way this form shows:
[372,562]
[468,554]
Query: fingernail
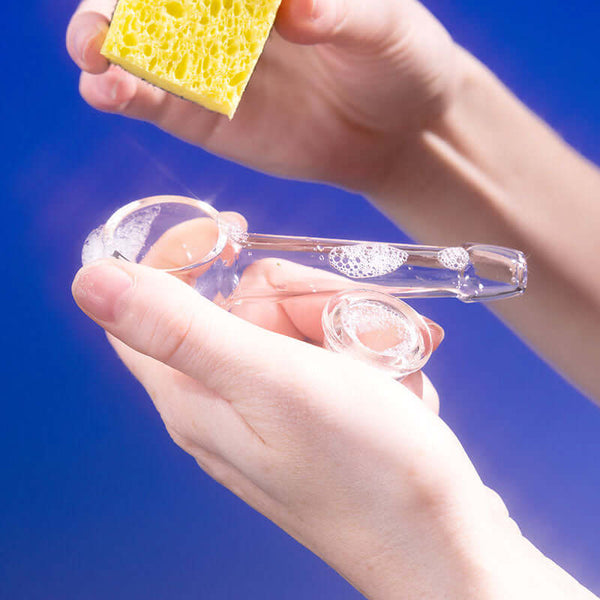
[95,41]
[81,43]
[317,9]
[88,38]
[437,332]
[98,288]
[110,88]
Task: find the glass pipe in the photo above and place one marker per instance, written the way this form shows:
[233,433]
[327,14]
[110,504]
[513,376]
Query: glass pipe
[356,285]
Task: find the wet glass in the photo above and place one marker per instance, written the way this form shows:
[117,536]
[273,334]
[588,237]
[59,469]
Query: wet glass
[356,284]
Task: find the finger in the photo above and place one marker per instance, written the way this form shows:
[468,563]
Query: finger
[264,280]
[342,22]
[185,249]
[145,369]
[430,395]
[437,333]
[300,315]
[190,242]
[117,91]
[234,219]
[86,32]
[196,418]
[420,385]
[159,316]
[269,315]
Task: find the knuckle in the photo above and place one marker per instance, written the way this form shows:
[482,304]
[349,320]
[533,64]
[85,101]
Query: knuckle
[497,505]
[177,339]
[183,439]
[169,335]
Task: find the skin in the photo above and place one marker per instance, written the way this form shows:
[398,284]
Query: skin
[373,97]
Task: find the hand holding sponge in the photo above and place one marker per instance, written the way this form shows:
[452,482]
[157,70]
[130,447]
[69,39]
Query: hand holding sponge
[202,50]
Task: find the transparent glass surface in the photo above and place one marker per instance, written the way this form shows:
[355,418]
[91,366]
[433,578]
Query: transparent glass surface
[215,254]
[379,329]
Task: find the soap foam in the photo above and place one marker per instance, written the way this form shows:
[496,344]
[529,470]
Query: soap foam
[131,237]
[372,317]
[234,232]
[455,259]
[362,261]
[93,248]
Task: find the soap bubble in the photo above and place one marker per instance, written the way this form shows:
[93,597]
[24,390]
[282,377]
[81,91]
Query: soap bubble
[362,261]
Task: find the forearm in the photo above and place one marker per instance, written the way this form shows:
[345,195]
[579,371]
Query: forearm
[491,171]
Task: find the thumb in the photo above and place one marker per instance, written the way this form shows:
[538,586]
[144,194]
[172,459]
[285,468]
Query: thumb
[342,22]
[160,316]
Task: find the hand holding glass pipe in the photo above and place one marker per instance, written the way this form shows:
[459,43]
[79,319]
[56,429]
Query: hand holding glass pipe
[353,284]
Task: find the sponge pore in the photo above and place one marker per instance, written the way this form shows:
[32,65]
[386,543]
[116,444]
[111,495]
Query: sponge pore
[202,50]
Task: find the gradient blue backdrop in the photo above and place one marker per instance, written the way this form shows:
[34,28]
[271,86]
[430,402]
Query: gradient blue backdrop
[96,502]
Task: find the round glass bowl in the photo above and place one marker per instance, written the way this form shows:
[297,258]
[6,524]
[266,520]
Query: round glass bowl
[378,329]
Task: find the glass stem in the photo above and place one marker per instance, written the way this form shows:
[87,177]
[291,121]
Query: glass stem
[472,272]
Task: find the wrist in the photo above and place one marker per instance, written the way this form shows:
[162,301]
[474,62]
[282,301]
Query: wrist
[443,535]
[484,557]
[440,175]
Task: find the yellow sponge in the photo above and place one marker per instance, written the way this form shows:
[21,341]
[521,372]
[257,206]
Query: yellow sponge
[202,50]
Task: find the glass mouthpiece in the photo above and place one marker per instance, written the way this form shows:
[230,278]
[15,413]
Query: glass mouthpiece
[215,254]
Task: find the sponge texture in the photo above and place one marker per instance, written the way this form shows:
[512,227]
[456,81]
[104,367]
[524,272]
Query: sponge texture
[202,50]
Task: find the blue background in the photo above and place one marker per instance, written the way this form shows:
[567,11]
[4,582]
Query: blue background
[96,502]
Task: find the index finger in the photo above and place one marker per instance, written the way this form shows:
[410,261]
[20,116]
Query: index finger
[86,33]
[309,290]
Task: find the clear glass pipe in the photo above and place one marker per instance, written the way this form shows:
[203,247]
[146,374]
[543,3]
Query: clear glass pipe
[215,254]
